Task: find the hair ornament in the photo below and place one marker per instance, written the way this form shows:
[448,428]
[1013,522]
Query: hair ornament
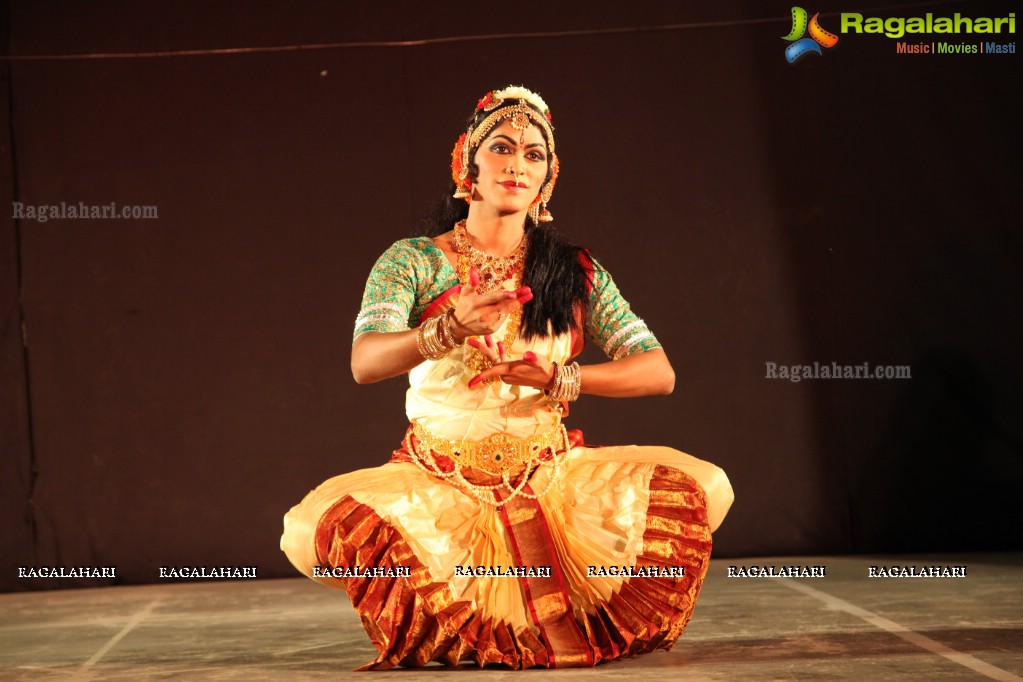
[463,186]
[496,98]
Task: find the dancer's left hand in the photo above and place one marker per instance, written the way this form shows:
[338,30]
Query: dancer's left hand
[532,370]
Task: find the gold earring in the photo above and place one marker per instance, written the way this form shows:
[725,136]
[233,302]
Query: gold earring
[545,215]
[545,196]
[534,213]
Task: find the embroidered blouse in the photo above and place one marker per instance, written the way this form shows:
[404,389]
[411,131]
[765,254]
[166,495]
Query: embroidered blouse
[414,272]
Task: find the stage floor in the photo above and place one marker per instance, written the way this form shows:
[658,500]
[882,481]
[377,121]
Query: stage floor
[844,626]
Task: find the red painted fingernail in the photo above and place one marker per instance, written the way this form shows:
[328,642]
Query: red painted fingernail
[473,381]
[525,298]
[529,356]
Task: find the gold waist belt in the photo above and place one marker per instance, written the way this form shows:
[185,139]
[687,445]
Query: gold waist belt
[497,453]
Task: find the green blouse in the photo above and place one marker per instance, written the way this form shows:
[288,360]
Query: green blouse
[414,272]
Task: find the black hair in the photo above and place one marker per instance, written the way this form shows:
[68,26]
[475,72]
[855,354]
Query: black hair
[554,268]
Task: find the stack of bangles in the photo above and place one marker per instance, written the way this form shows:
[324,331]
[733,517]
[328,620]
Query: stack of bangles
[435,338]
[566,384]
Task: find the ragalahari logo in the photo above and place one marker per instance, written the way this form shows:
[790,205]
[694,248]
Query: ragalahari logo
[800,46]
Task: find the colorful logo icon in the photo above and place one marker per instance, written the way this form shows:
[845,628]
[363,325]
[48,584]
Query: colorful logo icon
[800,46]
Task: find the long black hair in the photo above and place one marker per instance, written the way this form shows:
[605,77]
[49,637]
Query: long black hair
[554,268]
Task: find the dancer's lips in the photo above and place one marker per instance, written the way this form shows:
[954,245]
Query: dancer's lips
[514,185]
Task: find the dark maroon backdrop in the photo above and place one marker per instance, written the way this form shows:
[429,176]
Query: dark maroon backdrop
[171,387]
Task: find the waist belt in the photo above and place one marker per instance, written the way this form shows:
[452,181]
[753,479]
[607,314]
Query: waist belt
[499,455]
[498,452]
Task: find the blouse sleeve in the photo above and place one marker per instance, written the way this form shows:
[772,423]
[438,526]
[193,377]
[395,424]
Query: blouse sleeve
[390,292]
[611,323]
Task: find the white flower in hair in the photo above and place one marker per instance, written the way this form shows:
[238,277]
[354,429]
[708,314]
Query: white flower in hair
[519,92]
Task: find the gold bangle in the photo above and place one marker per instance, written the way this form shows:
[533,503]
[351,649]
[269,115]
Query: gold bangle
[575,383]
[449,333]
[567,383]
[555,383]
[449,315]
[430,340]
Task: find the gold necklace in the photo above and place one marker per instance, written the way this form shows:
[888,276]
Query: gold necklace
[493,272]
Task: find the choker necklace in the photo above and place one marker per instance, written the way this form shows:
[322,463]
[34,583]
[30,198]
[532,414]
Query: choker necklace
[493,272]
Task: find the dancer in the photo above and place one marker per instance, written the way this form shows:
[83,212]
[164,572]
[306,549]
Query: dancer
[494,534]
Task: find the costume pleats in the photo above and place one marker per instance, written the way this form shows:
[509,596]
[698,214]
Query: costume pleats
[612,509]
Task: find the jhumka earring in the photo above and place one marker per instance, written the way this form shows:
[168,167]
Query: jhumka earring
[545,196]
[534,213]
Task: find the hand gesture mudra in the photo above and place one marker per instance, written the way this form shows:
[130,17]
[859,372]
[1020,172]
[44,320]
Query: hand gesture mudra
[532,370]
[483,314]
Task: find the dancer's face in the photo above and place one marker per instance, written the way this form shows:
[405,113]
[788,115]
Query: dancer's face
[512,167]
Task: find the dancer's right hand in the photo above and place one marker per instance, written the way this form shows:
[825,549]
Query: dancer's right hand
[482,314]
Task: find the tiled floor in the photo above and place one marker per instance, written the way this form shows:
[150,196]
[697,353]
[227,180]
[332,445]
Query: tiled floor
[844,626]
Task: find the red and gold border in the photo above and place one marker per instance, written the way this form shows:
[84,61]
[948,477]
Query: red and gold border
[415,620]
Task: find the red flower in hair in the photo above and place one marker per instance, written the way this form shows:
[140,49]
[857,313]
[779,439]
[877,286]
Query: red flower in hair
[456,164]
[487,99]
